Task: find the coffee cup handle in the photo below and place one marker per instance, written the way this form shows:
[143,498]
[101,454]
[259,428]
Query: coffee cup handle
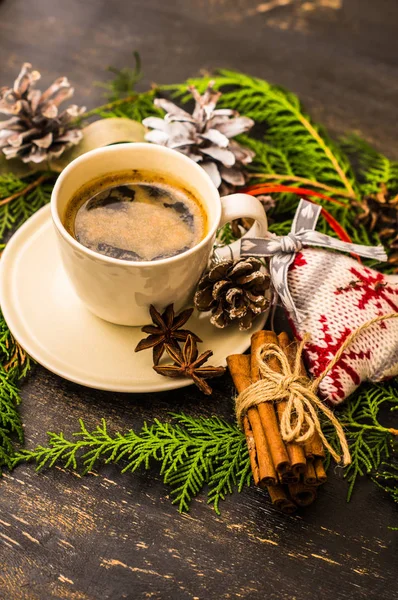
[238,206]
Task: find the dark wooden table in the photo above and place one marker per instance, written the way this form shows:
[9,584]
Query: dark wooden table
[114,536]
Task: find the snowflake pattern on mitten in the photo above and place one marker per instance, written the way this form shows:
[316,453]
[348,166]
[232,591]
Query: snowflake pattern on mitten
[335,294]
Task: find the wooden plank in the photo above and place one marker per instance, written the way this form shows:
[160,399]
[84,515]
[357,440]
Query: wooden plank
[118,536]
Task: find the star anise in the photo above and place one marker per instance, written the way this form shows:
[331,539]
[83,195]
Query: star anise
[166,329]
[187,363]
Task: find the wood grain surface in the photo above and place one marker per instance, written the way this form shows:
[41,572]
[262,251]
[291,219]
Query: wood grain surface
[113,536]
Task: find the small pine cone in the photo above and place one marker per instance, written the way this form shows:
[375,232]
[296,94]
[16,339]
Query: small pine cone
[378,212]
[234,291]
[36,129]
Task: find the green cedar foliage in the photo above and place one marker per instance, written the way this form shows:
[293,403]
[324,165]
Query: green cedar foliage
[14,366]
[192,453]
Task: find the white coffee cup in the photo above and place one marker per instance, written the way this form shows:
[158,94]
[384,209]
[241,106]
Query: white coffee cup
[121,291]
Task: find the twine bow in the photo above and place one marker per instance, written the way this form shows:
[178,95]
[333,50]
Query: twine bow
[283,249]
[300,418]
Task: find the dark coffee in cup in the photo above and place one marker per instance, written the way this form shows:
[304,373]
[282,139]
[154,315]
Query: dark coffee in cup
[136,216]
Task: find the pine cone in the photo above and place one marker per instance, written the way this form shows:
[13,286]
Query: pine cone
[234,291]
[36,130]
[205,136]
[379,213]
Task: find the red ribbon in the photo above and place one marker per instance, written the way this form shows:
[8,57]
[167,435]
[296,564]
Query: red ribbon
[261,188]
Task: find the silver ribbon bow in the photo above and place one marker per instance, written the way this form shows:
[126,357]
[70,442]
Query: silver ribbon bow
[283,249]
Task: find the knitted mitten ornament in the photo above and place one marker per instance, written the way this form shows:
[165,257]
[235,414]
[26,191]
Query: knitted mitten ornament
[335,295]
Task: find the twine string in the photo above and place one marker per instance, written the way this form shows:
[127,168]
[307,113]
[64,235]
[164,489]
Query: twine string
[300,419]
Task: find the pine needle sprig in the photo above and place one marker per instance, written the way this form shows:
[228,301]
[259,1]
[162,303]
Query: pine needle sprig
[123,99]
[21,198]
[270,160]
[387,479]
[13,359]
[136,107]
[225,235]
[370,442]
[10,422]
[124,80]
[308,147]
[10,184]
[228,466]
[14,366]
[371,167]
[191,453]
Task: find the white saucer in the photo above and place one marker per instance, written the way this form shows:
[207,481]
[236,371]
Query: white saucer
[52,325]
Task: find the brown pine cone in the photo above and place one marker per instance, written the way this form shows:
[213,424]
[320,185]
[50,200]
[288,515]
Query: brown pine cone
[379,214]
[234,291]
[36,129]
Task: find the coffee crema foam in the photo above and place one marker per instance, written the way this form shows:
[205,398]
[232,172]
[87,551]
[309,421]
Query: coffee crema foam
[136,216]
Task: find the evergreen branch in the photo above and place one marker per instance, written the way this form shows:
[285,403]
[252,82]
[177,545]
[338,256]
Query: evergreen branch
[124,81]
[10,184]
[387,473]
[225,235]
[191,453]
[13,359]
[372,168]
[14,365]
[20,200]
[234,471]
[289,128]
[109,106]
[195,452]
[370,442]
[327,150]
[26,190]
[268,160]
[272,161]
[136,107]
[125,102]
[281,177]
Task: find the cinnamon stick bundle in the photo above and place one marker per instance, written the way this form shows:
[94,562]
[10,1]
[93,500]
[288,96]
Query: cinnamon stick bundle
[263,470]
[290,471]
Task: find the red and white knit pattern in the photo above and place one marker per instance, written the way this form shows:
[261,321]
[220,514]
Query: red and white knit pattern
[337,294]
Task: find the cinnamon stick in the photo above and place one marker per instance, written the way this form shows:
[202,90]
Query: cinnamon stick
[320,471]
[260,458]
[310,477]
[301,494]
[313,447]
[251,447]
[290,477]
[266,410]
[295,451]
[281,500]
